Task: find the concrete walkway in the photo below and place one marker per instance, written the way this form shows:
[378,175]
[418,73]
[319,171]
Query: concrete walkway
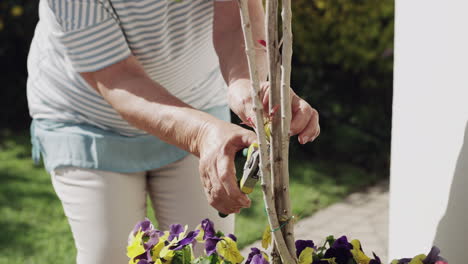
[362,215]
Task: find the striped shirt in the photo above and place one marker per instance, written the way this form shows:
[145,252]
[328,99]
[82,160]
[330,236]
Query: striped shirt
[171,39]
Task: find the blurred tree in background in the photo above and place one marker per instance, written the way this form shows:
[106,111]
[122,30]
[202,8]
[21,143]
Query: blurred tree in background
[342,65]
[18,19]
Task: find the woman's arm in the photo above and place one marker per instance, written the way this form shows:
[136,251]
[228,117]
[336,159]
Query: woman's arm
[150,107]
[228,41]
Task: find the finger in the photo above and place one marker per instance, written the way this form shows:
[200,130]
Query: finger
[247,138]
[265,91]
[227,176]
[216,194]
[311,131]
[301,116]
[317,134]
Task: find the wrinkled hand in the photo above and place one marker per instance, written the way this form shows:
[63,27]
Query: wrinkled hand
[219,143]
[305,119]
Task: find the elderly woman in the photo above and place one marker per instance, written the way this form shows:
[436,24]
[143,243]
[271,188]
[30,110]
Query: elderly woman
[130,98]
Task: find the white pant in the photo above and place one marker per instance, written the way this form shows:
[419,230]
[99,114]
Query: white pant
[102,207]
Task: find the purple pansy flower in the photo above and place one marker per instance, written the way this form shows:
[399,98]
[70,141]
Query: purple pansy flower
[404,261]
[340,250]
[433,256]
[343,243]
[256,257]
[188,239]
[174,231]
[253,251]
[259,259]
[144,226]
[146,256]
[210,245]
[208,228]
[144,261]
[233,237]
[302,244]
[376,259]
[153,238]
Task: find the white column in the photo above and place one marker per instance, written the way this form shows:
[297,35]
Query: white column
[429,166]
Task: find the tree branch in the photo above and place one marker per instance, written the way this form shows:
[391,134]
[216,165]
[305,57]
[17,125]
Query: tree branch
[259,123]
[284,205]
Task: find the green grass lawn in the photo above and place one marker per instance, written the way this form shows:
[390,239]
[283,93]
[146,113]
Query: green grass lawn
[33,228]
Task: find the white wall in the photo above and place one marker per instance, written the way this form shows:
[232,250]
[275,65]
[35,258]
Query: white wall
[429,166]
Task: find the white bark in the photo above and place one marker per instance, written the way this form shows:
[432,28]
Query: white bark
[259,123]
[277,159]
[283,192]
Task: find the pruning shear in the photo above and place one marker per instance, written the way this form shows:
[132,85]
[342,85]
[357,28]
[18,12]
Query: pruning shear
[251,173]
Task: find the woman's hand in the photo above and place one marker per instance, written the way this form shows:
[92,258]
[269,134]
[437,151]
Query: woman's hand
[305,119]
[218,144]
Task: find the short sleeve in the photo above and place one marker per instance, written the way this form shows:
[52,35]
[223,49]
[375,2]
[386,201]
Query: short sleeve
[91,35]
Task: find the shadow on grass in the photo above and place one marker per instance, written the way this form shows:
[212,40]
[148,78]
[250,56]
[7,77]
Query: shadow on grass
[14,238]
[27,200]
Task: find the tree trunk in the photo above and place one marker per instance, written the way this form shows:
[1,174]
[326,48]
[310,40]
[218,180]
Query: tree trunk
[259,123]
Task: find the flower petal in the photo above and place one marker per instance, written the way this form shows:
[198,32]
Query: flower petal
[144,226]
[259,259]
[306,256]
[208,227]
[418,259]
[302,244]
[358,254]
[191,236]
[227,249]
[135,248]
[210,245]
[340,250]
[376,259]
[253,251]
[233,237]
[266,238]
[174,231]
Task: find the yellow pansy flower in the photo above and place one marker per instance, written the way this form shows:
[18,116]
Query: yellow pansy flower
[227,248]
[159,246]
[201,234]
[135,247]
[358,255]
[418,259]
[330,260]
[306,256]
[166,254]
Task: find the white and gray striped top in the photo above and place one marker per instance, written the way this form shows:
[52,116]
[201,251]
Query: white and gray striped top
[171,39]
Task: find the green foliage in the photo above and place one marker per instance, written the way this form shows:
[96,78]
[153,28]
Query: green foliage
[34,229]
[342,65]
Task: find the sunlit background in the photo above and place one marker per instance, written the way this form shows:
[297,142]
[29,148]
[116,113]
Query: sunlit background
[342,65]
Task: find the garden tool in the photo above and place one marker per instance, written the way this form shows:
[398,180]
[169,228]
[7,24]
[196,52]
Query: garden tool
[251,172]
